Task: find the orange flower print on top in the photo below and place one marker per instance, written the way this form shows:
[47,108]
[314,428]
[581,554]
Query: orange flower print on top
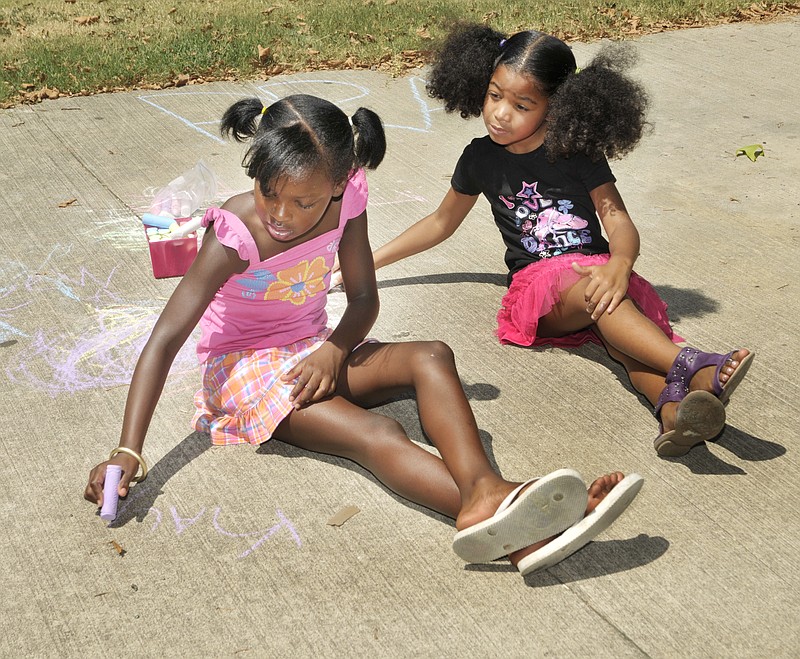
[299,282]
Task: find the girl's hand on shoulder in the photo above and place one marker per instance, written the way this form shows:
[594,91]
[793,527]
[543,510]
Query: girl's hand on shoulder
[316,376]
[607,287]
[97,477]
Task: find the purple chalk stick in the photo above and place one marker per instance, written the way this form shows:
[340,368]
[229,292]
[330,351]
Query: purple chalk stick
[108,512]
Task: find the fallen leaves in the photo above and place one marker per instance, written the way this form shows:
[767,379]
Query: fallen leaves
[264,54]
[752,151]
[86,20]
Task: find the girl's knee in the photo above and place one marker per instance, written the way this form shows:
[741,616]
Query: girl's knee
[368,440]
[433,354]
[383,435]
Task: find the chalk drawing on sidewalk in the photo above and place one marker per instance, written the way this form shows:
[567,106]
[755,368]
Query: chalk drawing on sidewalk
[405,197]
[100,349]
[344,94]
[120,227]
[257,538]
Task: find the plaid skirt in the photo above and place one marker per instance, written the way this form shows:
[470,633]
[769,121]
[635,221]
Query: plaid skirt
[243,398]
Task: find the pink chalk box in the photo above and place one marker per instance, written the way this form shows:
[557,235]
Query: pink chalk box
[172,258]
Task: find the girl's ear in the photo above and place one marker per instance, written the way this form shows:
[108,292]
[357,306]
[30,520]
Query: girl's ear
[338,190]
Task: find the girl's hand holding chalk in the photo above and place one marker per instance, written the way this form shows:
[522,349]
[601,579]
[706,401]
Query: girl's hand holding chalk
[108,512]
[122,467]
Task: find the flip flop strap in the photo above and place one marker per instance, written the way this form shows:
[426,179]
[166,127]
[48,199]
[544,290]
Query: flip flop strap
[513,495]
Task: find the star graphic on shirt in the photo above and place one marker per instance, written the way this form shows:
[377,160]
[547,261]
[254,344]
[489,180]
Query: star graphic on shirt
[529,191]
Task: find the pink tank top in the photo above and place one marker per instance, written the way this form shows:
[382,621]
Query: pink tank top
[278,301]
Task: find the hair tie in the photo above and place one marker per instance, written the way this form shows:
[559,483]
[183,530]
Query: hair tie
[503,42]
[577,71]
[264,110]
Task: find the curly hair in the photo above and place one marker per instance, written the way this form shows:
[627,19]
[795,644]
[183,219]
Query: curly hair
[600,112]
[462,68]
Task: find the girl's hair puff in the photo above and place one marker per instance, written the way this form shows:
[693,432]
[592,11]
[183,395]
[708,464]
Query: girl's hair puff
[463,66]
[599,112]
[301,134]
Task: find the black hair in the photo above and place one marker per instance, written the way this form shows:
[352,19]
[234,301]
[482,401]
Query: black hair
[300,134]
[599,111]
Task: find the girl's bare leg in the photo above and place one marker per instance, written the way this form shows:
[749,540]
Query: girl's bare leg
[452,485]
[626,329]
[378,371]
[463,484]
[339,427]
[635,341]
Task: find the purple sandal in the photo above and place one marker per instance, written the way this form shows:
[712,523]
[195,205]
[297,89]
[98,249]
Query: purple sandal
[700,417]
[691,360]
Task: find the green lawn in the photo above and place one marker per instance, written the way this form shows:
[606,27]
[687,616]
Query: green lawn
[55,47]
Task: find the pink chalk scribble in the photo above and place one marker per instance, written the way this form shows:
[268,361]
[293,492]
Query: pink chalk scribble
[103,356]
[99,349]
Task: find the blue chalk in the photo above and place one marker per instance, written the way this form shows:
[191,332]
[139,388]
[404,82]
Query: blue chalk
[150,220]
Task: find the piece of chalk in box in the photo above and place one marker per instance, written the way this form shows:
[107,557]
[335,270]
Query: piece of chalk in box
[187,227]
[150,220]
[108,512]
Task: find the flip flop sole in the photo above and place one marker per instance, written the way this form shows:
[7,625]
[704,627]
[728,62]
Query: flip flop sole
[547,507]
[700,417]
[737,377]
[582,533]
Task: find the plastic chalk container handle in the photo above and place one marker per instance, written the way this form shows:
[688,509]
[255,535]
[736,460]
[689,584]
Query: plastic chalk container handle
[108,512]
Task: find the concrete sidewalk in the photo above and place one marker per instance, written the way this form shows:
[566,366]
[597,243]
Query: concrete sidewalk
[227,551]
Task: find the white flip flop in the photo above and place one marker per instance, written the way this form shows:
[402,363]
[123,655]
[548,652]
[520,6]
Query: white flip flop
[553,503]
[586,530]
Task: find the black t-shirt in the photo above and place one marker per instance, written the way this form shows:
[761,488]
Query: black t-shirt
[542,209]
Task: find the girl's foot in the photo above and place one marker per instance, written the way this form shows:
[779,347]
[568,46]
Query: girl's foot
[609,497]
[598,491]
[706,379]
[599,510]
[500,518]
[700,416]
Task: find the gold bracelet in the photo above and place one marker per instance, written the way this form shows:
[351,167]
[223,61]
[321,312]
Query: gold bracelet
[131,452]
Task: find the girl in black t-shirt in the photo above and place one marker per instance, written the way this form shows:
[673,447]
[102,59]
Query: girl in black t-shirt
[543,169]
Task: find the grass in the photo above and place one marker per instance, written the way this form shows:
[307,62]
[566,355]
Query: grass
[51,48]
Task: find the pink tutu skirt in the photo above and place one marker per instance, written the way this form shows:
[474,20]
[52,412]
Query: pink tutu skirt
[243,398]
[537,288]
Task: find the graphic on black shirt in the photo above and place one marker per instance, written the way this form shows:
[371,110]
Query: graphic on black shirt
[547,228]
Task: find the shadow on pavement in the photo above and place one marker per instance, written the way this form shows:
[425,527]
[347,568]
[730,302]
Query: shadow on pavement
[144,494]
[597,559]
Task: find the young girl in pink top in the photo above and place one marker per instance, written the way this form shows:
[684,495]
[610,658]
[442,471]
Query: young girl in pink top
[273,368]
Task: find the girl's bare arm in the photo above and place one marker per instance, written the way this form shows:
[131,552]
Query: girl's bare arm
[429,231]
